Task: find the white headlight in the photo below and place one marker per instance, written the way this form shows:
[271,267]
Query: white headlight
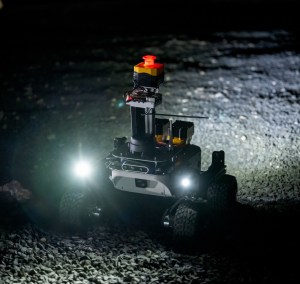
[185,182]
[83,169]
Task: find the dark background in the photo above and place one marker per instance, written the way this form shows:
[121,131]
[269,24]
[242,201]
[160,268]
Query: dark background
[29,27]
[138,17]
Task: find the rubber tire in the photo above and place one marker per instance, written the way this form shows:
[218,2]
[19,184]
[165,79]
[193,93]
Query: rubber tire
[185,225]
[221,195]
[73,208]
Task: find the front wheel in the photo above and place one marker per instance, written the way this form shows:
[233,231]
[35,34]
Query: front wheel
[185,222]
[78,209]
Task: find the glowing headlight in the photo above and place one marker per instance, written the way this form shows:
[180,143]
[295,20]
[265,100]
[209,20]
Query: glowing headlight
[186,182]
[83,169]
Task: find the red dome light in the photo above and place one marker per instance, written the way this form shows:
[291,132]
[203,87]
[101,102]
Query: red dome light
[149,60]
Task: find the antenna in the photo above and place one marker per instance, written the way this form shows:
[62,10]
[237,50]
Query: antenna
[178,115]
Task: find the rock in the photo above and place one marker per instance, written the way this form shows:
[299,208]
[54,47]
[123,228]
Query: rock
[16,191]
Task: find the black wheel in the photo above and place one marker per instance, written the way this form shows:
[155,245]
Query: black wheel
[221,195]
[185,225]
[78,209]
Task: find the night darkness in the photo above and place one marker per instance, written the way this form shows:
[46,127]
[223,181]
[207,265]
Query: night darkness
[64,67]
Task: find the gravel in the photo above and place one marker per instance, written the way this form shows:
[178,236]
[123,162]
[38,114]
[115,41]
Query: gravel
[102,256]
[253,244]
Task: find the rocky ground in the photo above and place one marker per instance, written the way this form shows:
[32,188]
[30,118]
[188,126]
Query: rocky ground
[59,99]
[260,246]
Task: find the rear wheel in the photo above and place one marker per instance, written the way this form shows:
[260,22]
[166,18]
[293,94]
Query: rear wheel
[185,222]
[79,209]
[221,195]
